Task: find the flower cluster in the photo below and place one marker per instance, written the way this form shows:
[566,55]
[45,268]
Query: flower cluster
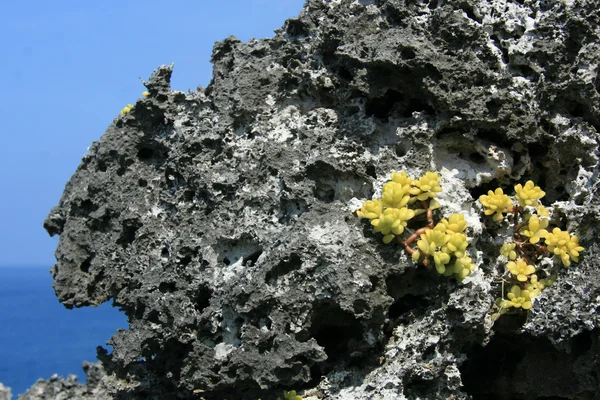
[403,199]
[564,245]
[532,241]
[426,186]
[390,214]
[520,269]
[444,243]
[127,109]
[529,194]
[496,203]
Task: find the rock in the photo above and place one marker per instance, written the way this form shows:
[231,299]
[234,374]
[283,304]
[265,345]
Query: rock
[220,221]
[59,388]
[5,392]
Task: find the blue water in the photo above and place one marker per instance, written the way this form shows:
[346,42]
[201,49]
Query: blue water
[39,336]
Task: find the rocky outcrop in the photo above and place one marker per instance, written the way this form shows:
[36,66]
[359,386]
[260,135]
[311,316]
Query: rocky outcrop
[59,388]
[221,221]
[5,392]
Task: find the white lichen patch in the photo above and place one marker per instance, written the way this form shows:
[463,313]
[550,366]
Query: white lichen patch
[455,198]
[489,162]
[328,235]
[222,350]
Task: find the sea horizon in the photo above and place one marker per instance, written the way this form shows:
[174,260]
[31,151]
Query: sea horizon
[40,337]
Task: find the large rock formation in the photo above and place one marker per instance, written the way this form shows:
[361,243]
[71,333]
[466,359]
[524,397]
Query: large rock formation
[220,221]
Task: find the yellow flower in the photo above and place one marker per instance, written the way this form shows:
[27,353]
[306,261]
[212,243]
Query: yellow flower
[427,186]
[517,298]
[534,231]
[455,223]
[508,251]
[564,245]
[544,216]
[395,195]
[441,259]
[145,93]
[456,245]
[433,239]
[543,211]
[496,203]
[370,209]
[520,269]
[431,244]
[126,109]
[416,255]
[462,267]
[392,222]
[401,178]
[529,194]
[535,286]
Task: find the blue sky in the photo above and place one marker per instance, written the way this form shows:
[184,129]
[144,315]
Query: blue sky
[69,67]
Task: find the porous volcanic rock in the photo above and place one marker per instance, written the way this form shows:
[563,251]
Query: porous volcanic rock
[5,392]
[221,220]
[59,388]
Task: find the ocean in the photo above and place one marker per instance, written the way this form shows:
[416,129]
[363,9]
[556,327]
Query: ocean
[39,337]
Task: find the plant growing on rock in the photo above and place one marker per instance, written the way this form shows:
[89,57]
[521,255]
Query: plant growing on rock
[531,242]
[405,200]
[127,109]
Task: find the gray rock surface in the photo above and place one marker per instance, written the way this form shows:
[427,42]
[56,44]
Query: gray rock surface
[220,221]
[5,392]
[59,388]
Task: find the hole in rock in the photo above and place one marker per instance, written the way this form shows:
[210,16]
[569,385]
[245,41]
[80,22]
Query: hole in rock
[421,388]
[410,305]
[484,188]
[242,250]
[371,171]
[167,287]
[496,137]
[296,28]
[407,53]
[101,166]
[201,299]
[250,259]
[468,9]
[344,74]
[494,106]
[85,265]
[402,149]
[520,367]
[129,229]
[397,104]
[291,208]
[82,208]
[333,329]
[152,153]
[284,267]
[360,306]
[124,164]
